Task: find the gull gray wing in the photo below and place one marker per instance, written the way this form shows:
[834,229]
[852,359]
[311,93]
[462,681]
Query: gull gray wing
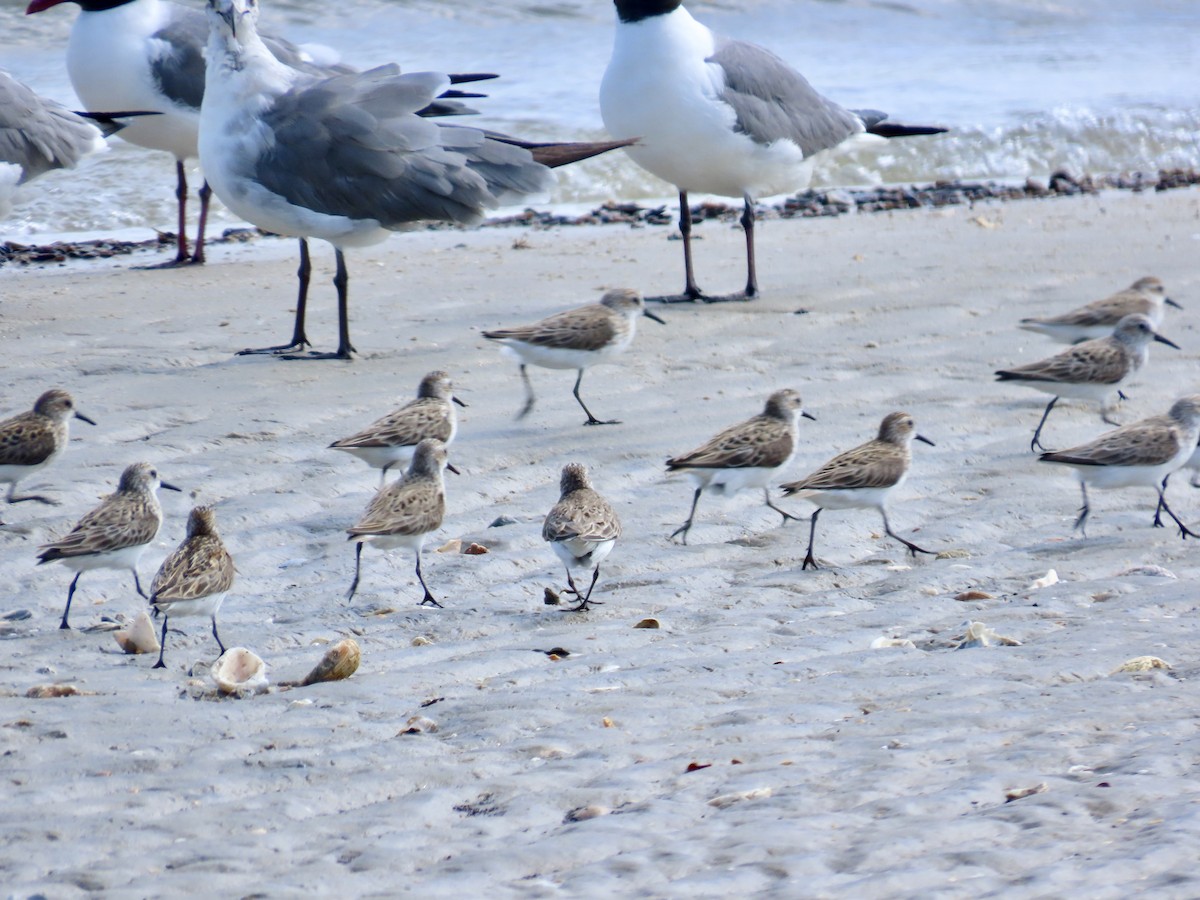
[353,145]
[37,134]
[773,101]
[177,58]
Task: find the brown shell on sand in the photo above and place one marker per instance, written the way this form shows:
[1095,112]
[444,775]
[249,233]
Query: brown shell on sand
[42,691]
[140,637]
[340,661]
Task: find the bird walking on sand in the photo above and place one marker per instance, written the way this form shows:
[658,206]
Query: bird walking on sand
[33,440]
[393,438]
[404,512]
[582,529]
[720,116]
[576,339]
[862,478]
[1146,296]
[1094,370]
[748,454]
[1142,454]
[347,158]
[114,534]
[194,579]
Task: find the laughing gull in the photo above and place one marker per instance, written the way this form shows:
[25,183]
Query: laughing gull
[38,135]
[346,158]
[719,116]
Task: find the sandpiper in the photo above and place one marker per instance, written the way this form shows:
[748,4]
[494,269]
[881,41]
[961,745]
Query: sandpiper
[32,440]
[1146,296]
[582,528]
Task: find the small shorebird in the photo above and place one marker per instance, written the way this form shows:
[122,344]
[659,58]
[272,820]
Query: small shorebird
[404,512]
[720,116]
[32,440]
[115,533]
[863,478]
[393,438]
[1142,454]
[748,454]
[1146,296]
[576,339]
[581,528]
[1094,370]
[194,579]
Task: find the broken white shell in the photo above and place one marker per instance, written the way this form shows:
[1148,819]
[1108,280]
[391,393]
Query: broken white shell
[881,642]
[140,637]
[1046,580]
[239,672]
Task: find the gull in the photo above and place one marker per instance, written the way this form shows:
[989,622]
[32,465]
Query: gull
[1143,454]
[346,158]
[114,534]
[193,580]
[404,512]
[748,454]
[1094,370]
[720,116]
[38,135]
[576,339]
[581,528]
[1097,319]
[32,440]
[863,478]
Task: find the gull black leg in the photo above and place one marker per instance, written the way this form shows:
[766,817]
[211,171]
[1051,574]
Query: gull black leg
[687,526]
[591,420]
[809,561]
[70,594]
[748,227]
[205,195]
[341,281]
[162,645]
[913,549]
[299,339]
[691,292]
[787,516]
[357,568]
[427,600]
[1036,444]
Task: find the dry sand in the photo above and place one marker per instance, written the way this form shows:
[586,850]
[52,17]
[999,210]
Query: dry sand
[835,769]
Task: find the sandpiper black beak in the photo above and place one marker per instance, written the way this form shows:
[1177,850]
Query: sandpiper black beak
[804,414]
[459,402]
[450,466]
[80,415]
[1163,340]
[1171,302]
[924,440]
[650,315]
[169,487]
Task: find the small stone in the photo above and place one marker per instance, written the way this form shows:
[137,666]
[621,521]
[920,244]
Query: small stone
[648,623]
[973,595]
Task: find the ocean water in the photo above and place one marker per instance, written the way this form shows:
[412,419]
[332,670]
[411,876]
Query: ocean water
[1026,86]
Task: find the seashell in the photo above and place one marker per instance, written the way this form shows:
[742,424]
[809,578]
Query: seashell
[451,546]
[725,800]
[340,661]
[140,637]
[979,635]
[880,642]
[419,725]
[954,553]
[550,597]
[1140,664]
[973,595]
[42,691]
[583,813]
[648,623]
[1154,571]
[474,549]
[1046,580]
[239,672]
[1022,793]
[421,641]
[606,722]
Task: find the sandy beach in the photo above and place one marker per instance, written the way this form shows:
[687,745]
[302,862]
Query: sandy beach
[824,766]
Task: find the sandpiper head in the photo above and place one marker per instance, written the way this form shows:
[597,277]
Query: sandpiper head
[899,428]
[636,10]
[1153,288]
[628,302]
[574,477]
[142,476]
[1186,410]
[435,386]
[58,405]
[785,404]
[1137,331]
[202,521]
[429,458]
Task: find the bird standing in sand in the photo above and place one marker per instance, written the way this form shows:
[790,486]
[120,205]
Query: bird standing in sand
[194,579]
[393,438]
[862,478]
[1146,296]
[114,534]
[582,529]
[748,454]
[576,339]
[33,440]
[404,512]
[1094,370]
[720,116]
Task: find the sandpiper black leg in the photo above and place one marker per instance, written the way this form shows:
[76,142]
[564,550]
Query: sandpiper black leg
[583,602]
[1036,444]
[1184,531]
[787,516]
[687,526]
[162,644]
[1084,511]
[427,600]
[70,594]
[913,549]
[357,567]
[809,561]
[215,635]
[138,584]
[591,420]
[529,398]
[299,339]
[1158,523]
